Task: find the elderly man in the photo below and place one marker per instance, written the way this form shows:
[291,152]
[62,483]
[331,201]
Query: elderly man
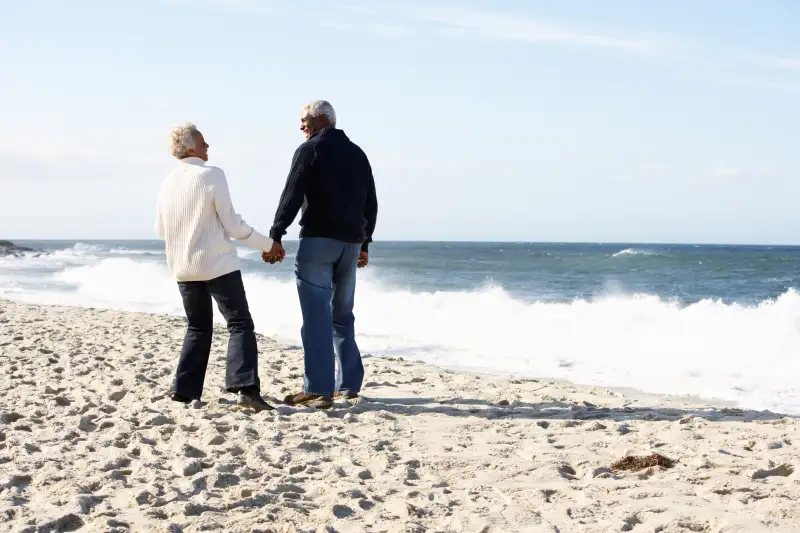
[196,219]
[333,178]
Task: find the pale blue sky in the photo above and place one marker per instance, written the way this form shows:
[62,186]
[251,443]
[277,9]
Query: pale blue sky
[505,120]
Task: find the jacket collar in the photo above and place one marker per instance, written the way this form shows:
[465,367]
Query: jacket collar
[193,161]
[328,131]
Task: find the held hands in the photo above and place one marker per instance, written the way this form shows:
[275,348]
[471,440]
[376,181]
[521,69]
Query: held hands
[275,255]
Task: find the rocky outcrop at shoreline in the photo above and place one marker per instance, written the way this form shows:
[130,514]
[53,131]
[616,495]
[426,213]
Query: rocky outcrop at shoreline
[9,248]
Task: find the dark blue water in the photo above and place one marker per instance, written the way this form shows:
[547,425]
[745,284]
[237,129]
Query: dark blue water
[549,271]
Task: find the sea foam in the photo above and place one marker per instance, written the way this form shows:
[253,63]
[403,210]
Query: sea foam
[745,354]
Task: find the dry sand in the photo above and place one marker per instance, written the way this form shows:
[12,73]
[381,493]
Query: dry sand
[89,441]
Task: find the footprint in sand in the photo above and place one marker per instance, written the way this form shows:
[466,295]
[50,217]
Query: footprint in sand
[311,446]
[117,395]
[192,452]
[10,417]
[86,423]
[784,470]
[187,468]
[217,440]
[159,420]
[342,511]
[64,523]
[567,472]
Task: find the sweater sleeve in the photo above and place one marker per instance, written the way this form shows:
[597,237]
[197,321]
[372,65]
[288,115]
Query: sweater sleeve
[230,219]
[294,191]
[370,212]
[159,225]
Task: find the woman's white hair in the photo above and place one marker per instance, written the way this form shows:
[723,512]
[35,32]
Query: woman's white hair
[319,108]
[181,139]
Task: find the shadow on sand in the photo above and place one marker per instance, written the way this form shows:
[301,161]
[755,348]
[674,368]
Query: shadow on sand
[553,410]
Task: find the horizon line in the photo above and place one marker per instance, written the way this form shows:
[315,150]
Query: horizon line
[456,241]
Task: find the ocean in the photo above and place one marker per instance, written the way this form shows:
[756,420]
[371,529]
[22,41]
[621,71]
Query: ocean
[720,322]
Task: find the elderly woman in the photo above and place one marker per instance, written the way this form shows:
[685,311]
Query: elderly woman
[196,219]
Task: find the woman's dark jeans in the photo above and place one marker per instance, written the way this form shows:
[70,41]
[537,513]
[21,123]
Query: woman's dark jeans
[242,364]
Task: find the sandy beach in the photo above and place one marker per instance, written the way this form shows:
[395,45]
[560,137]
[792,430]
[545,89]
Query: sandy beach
[89,441]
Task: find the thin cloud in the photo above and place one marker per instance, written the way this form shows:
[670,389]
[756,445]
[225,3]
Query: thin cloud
[509,27]
[396,20]
[379,29]
[653,168]
[728,174]
[725,173]
[253,7]
[776,62]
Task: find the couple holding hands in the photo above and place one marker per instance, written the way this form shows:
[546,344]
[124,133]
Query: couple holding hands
[331,180]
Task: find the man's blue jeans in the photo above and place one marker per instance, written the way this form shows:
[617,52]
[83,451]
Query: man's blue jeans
[326,284]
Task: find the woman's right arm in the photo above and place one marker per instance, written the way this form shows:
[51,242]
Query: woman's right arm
[230,219]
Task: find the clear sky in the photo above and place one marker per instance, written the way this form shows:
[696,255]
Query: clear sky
[532,120]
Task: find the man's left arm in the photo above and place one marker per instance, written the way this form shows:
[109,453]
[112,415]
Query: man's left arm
[294,191]
[370,211]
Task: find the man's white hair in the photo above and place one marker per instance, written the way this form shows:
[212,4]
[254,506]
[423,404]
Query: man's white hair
[181,139]
[319,108]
